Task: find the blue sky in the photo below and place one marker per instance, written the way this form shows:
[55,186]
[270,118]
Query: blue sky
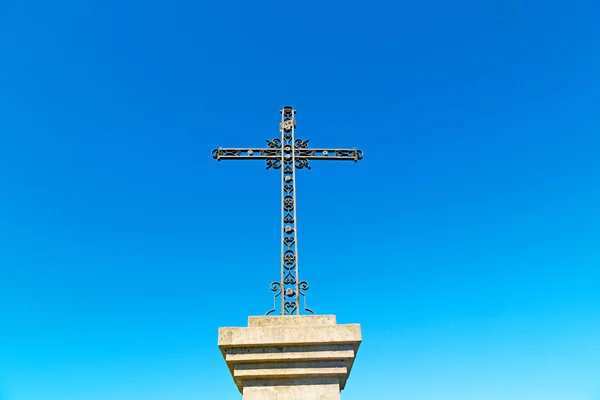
[465,243]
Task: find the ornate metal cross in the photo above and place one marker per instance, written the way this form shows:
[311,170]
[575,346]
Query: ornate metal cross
[288,154]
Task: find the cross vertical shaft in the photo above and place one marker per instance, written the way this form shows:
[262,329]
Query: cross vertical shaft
[289,283]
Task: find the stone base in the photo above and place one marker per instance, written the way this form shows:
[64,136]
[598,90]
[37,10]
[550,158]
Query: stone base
[319,389]
[290,357]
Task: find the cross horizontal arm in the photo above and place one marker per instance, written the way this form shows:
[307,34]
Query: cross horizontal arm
[329,154]
[245,154]
[273,153]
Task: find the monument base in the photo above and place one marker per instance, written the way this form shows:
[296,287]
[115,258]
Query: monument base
[290,357]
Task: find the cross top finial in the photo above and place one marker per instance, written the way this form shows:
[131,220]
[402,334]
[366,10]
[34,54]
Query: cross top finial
[288,154]
[287,111]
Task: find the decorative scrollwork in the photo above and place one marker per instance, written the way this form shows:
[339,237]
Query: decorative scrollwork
[289,278]
[275,287]
[274,163]
[289,242]
[288,111]
[302,144]
[289,260]
[345,153]
[302,286]
[220,152]
[274,144]
[271,152]
[302,163]
[290,307]
[288,203]
[305,153]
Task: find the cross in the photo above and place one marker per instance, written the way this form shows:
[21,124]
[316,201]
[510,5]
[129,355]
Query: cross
[288,154]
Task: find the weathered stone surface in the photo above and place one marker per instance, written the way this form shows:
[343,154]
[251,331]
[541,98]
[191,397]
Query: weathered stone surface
[310,389]
[291,320]
[290,357]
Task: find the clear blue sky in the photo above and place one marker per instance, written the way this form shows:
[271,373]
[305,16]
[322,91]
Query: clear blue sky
[466,242]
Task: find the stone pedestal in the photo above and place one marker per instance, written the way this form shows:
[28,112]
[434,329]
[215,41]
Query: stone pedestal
[290,357]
